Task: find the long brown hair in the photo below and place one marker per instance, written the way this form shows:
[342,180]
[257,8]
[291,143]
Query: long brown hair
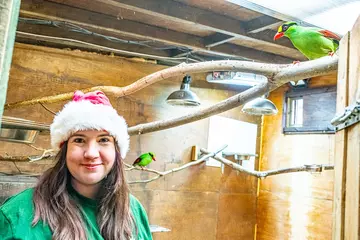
[54,206]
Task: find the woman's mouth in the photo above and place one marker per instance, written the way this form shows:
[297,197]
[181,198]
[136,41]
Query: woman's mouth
[91,166]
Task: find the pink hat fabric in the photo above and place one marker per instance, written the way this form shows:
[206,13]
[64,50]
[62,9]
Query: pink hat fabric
[87,111]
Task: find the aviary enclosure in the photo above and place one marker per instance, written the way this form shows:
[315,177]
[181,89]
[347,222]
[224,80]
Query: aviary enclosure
[191,199]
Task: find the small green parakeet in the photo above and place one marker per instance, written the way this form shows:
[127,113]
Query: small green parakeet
[144,159]
[312,42]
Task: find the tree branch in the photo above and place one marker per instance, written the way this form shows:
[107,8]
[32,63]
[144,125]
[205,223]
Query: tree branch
[161,174]
[313,168]
[46,154]
[263,174]
[276,73]
[225,105]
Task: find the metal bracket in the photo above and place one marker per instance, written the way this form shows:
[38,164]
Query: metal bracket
[348,118]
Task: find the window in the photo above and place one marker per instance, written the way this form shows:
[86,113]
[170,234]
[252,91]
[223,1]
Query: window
[296,109]
[309,110]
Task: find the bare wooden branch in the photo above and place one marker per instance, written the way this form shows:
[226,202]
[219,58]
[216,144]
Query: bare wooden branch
[307,69]
[263,174]
[36,148]
[161,174]
[313,168]
[46,154]
[47,108]
[225,105]
[276,73]
[14,158]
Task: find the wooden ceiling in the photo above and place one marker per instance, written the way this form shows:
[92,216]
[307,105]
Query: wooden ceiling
[170,31]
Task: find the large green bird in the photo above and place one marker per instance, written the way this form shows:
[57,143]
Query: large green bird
[312,42]
[144,159]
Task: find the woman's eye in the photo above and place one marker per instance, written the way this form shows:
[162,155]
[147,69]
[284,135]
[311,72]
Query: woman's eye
[104,140]
[78,140]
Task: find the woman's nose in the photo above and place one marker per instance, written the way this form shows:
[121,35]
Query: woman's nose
[91,151]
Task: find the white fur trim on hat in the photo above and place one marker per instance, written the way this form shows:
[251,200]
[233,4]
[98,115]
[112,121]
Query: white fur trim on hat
[84,115]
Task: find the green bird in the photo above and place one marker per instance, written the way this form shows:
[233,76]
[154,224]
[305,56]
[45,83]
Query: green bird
[312,42]
[144,159]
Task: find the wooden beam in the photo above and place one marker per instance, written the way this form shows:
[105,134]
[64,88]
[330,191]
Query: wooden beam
[217,39]
[186,14]
[262,23]
[9,13]
[340,143]
[245,52]
[352,198]
[269,35]
[269,12]
[99,22]
[57,34]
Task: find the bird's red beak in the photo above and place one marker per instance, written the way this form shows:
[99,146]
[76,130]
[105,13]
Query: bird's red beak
[278,35]
[154,159]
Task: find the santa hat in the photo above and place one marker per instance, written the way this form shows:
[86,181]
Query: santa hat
[92,110]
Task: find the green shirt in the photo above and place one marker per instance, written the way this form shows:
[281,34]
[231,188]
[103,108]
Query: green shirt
[17,213]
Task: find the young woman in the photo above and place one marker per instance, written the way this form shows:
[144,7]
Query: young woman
[85,195]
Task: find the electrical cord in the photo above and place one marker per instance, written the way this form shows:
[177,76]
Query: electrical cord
[99,47]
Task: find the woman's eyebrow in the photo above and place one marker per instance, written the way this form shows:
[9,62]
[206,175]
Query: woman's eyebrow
[104,135]
[77,135]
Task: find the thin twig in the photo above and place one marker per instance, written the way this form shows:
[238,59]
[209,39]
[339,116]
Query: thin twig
[46,154]
[47,108]
[17,168]
[36,148]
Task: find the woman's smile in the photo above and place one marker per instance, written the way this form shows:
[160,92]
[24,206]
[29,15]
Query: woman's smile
[92,166]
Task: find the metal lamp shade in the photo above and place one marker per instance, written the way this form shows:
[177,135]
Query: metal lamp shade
[260,106]
[184,96]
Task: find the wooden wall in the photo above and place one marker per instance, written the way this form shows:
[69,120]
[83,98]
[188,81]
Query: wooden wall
[297,205]
[197,203]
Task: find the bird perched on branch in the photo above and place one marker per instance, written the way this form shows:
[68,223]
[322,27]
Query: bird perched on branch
[144,159]
[312,42]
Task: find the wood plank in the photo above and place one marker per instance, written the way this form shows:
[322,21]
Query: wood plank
[262,23]
[267,11]
[122,13]
[9,13]
[217,39]
[269,35]
[184,14]
[353,147]
[61,38]
[340,144]
[224,7]
[246,52]
[95,21]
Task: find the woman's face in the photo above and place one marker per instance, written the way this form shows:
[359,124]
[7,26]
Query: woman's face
[90,156]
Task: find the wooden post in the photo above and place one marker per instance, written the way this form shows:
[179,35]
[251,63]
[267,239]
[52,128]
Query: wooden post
[353,145]
[346,211]
[9,14]
[340,143]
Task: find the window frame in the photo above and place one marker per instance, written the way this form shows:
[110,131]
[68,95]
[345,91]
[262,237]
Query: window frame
[299,93]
